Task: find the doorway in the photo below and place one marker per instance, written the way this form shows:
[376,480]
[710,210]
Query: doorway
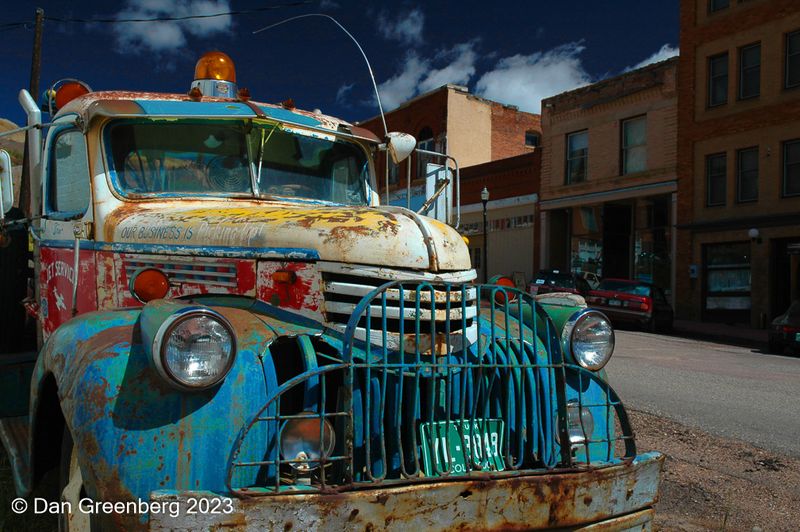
[617,227]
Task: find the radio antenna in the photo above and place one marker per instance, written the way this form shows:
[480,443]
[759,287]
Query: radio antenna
[369,67]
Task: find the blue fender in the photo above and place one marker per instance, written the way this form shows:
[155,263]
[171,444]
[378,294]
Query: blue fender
[134,433]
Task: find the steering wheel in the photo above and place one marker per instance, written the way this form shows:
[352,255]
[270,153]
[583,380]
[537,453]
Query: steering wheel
[228,173]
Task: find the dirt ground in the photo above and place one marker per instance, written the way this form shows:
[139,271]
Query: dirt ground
[713,483]
[710,483]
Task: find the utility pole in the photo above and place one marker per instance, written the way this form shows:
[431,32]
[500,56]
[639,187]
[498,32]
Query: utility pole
[33,88]
[36,60]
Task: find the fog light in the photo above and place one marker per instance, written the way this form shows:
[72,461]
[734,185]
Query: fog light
[306,440]
[580,422]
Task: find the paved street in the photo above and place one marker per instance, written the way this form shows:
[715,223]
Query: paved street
[729,391]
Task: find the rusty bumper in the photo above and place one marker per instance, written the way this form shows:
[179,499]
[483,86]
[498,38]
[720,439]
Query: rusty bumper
[614,498]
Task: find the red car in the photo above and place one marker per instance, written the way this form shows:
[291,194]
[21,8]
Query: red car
[636,302]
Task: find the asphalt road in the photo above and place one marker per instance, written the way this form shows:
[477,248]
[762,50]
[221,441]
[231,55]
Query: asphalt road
[729,391]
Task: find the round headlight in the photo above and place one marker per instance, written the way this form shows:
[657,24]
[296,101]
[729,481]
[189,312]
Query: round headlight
[195,350]
[580,422]
[589,338]
[306,440]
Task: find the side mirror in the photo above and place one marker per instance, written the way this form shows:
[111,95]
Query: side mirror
[400,145]
[6,183]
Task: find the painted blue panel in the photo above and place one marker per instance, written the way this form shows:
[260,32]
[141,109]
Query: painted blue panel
[173,108]
[285,115]
[210,251]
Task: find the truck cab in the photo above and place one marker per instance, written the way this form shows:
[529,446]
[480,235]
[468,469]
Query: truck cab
[232,325]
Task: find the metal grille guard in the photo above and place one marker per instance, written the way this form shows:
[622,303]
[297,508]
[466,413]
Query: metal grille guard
[376,399]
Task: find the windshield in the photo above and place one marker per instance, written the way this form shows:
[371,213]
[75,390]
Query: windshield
[235,159]
[564,280]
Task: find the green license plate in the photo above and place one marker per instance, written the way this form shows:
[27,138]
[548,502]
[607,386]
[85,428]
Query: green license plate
[797,337]
[452,442]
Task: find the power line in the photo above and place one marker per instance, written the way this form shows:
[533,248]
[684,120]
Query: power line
[12,25]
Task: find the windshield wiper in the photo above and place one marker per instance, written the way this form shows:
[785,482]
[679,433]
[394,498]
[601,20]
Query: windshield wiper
[261,157]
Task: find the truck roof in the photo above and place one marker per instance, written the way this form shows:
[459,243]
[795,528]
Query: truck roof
[151,104]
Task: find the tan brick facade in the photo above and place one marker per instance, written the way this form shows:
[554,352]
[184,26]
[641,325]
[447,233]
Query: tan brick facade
[764,122]
[573,214]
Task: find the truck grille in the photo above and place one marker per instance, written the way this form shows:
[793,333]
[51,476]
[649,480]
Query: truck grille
[425,308]
[186,270]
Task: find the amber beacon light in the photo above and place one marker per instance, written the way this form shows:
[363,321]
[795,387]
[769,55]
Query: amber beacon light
[215,75]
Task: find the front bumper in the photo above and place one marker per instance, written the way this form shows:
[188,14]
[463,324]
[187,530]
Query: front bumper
[619,497]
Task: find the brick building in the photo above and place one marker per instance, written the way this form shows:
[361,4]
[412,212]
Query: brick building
[738,160]
[609,177]
[473,131]
[513,184]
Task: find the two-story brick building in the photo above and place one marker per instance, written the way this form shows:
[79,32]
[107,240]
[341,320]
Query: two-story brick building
[609,180]
[738,160]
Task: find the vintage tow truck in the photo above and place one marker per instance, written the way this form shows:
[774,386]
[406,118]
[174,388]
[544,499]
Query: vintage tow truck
[232,325]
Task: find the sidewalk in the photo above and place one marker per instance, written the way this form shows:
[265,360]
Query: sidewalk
[722,333]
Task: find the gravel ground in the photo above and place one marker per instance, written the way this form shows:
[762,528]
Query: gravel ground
[714,483]
[710,483]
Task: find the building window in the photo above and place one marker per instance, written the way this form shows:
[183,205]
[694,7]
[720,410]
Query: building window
[718,80]
[715,179]
[577,156]
[727,269]
[634,145]
[750,71]
[747,174]
[791,168]
[792,60]
[426,142]
[717,5]
[532,139]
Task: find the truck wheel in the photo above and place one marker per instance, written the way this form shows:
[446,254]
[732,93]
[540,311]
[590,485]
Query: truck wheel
[71,489]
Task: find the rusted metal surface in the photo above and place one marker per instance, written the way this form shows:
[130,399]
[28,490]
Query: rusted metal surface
[354,235]
[521,503]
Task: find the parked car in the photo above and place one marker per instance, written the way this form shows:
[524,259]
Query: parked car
[592,278]
[784,333]
[636,302]
[548,281]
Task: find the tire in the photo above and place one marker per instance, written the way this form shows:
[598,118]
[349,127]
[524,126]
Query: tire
[651,325]
[71,488]
[773,346]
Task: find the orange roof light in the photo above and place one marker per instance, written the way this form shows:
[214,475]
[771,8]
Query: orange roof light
[149,284]
[68,92]
[215,65]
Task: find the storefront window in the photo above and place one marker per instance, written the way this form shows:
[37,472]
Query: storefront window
[587,240]
[652,241]
[727,269]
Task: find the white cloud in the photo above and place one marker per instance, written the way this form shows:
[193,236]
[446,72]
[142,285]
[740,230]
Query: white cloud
[523,80]
[404,84]
[329,4]
[459,71]
[420,74]
[341,94]
[665,52]
[169,36]
[407,28]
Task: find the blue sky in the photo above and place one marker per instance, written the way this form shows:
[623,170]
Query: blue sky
[513,52]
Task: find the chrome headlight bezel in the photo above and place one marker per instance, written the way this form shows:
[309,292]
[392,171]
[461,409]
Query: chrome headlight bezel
[568,338]
[161,341]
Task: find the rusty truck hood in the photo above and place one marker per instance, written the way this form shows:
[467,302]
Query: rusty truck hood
[385,236]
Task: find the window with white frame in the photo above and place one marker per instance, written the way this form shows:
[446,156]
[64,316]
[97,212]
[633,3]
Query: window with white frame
[791,168]
[634,145]
[577,156]
[747,174]
[750,71]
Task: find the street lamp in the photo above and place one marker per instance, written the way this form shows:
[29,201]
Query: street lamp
[485,200]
